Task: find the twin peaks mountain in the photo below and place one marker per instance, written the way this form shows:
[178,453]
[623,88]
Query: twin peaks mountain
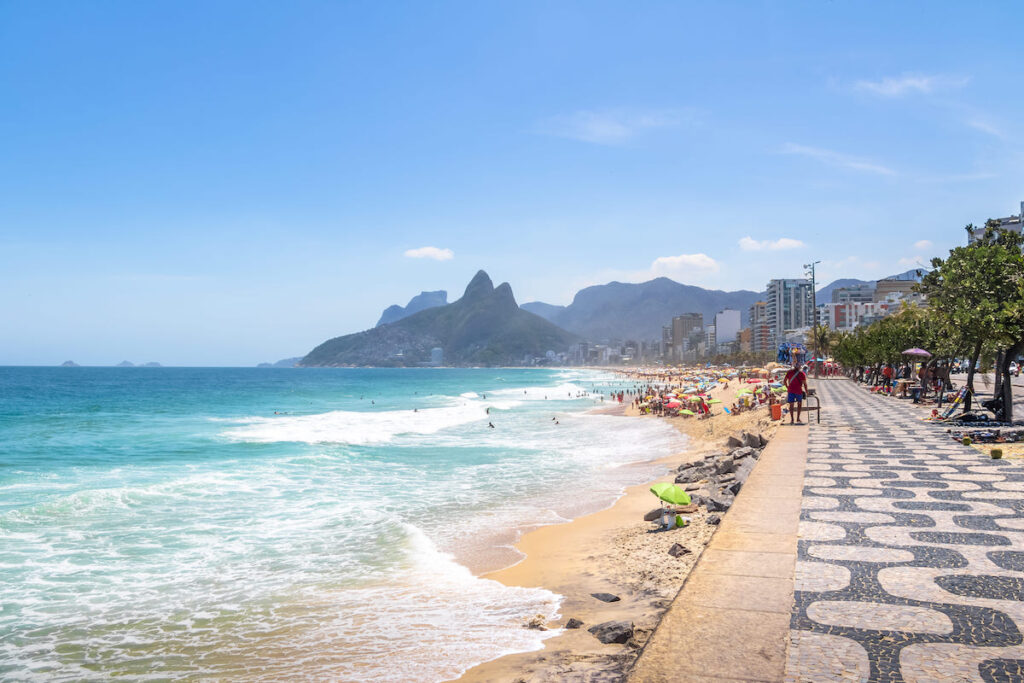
[485,327]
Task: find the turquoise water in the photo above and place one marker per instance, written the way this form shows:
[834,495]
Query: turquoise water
[266,523]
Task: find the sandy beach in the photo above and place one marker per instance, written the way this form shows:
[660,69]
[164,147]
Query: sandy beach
[614,551]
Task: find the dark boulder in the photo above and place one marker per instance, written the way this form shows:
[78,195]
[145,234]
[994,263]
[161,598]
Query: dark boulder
[653,515]
[613,631]
[751,440]
[734,442]
[742,452]
[694,474]
[678,550]
[719,502]
[762,440]
[573,623]
[605,597]
[725,466]
[734,487]
[714,520]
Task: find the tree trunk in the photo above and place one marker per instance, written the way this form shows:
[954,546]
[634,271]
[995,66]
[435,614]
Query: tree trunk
[1004,376]
[970,376]
[996,390]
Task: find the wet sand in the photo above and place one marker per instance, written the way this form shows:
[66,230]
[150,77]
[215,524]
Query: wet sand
[613,551]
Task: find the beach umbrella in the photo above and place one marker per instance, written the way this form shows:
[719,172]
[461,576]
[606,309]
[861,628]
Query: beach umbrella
[917,352]
[714,401]
[687,412]
[673,404]
[670,493]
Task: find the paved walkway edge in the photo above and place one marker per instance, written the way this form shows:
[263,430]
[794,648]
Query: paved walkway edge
[731,619]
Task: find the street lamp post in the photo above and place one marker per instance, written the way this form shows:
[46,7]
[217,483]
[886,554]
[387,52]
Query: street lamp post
[814,314]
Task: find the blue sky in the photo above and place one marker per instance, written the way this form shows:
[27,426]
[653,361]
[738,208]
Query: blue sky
[230,182]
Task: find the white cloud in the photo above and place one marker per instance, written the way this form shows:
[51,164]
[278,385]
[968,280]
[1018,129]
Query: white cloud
[921,245]
[750,244]
[833,158]
[610,127]
[683,264]
[431,253]
[910,83]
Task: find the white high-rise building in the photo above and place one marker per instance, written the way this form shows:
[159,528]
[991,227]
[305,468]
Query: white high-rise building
[789,306]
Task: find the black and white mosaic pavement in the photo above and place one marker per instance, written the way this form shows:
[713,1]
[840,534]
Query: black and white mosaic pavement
[910,559]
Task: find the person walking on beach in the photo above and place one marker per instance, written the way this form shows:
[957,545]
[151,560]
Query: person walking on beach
[796,385]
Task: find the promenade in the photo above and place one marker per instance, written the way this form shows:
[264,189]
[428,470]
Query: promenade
[907,560]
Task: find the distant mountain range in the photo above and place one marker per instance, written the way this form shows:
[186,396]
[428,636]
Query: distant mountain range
[484,327]
[620,310]
[487,327]
[420,302]
[283,363]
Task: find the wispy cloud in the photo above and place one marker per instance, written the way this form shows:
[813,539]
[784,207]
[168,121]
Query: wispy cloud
[982,124]
[434,253]
[611,126]
[958,177]
[750,244]
[897,86]
[921,245]
[838,159]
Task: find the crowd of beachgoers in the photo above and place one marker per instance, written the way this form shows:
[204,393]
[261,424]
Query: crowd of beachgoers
[697,392]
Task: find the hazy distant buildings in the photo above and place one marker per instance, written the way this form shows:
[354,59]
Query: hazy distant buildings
[760,333]
[727,326]
[789,305]
[683,327]
[886,290]
[853,294]
[437,356]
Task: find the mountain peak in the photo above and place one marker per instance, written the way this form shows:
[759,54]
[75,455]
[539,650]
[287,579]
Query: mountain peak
[480,285]
[504,297]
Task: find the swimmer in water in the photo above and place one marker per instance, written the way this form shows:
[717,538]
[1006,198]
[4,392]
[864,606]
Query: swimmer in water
[491,425]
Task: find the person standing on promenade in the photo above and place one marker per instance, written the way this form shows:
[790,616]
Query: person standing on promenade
[796,385]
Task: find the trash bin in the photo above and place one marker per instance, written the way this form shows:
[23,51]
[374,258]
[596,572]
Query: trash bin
[776,411]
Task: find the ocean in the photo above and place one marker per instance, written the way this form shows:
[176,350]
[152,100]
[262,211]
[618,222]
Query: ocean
[272,523]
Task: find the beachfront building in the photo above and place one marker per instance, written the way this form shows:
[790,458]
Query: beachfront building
[853,294]
[1011,223]
[683,327]
[710,339]
[789,305]
[760,333]
[746,340]
[727,326]
[893,289]
[853,314]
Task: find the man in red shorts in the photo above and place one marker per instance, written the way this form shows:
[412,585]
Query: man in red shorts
[796,385]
